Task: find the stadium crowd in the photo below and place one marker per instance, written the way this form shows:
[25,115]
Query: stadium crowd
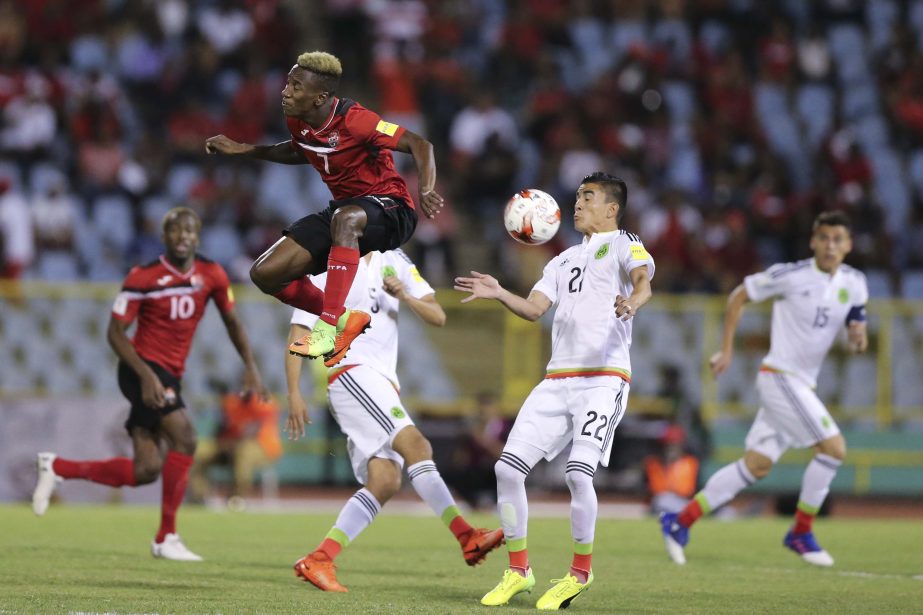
[734,123]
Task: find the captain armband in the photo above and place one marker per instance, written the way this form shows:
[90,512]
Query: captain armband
[856,314]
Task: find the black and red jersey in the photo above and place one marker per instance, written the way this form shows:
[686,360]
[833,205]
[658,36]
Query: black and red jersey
[168,305]
[352,151]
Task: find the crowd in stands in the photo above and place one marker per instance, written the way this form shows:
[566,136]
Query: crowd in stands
[734,123]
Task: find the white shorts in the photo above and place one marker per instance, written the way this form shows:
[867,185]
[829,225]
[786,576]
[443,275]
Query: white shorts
[563,410]
[369,411]
[790,416]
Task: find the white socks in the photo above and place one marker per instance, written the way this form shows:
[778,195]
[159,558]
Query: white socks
[357,514]
[516,461]
[726,483]
[583,504]
[817,478]
[428,483]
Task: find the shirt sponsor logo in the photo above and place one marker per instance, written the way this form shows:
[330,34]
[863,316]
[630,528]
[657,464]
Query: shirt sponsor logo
[304,132]
[386,128]
[163,280]
[638,253]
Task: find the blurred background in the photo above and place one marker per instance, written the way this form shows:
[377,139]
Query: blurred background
[734,123]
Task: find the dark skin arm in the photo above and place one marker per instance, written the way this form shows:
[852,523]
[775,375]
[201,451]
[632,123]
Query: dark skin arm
[422,151]
[252,382]
[283,153]
[152,391]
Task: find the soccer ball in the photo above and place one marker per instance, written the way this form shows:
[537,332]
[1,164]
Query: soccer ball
[532,217]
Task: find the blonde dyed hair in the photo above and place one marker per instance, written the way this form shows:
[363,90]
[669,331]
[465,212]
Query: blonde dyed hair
[321,62]
[176,213]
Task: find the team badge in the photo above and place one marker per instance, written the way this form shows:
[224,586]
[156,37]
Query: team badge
[397,413]
[334,139]
[197,281]
[843,295]
[387,271]
[601,252]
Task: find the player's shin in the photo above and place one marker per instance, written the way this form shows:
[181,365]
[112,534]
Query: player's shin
[342,265]
[513,508]
[428,483]
[720,489]
[355,516]
[175,478]
[584,506]
[814,489]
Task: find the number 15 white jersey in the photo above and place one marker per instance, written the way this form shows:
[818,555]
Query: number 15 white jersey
[811,308]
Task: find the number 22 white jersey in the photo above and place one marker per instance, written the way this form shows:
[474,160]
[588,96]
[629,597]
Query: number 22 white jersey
[582,282]
[810,310]
[377,347]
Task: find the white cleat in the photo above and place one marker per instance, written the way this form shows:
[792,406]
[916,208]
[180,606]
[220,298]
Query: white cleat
[44,486]
[173,548]
[675,550]
[818,558]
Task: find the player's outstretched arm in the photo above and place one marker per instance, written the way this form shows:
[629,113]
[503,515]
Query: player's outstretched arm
[280,152]
[422,151]
[483,286]
[627,307]
[253,384]
[721,360]
[152,391]
[426,307]
[298,415]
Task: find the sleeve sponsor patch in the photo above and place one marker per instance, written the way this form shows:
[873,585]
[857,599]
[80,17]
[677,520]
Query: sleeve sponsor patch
[415,274]
[121,305]
[230,295]
[638,253]
[386,128]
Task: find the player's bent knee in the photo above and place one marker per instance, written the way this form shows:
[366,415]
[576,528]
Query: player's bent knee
[578,481]
[507,474]
[834,447]
[758,465]
[262,277]
[146,472]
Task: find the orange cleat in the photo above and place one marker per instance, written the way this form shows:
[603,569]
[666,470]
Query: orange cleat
[320,571]
[481,542]
[356,324]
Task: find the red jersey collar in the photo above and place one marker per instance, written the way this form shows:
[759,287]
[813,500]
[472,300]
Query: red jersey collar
[174,270]
[333,110]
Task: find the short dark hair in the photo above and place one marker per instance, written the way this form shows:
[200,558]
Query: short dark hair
[615,188]
[832,218]
[173,216]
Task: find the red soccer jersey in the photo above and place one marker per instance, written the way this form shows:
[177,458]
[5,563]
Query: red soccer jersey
[352,151]
[169,305]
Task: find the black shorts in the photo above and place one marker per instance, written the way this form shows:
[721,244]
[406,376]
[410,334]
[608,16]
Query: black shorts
[141,415]
[391,223]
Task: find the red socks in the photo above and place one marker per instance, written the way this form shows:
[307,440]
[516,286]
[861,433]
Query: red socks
[460,528]
[116,472]
[303,295]
[519,561]
[330,548]
[803,522]
[175,476]
[690,514]
[341,270]
[581,566]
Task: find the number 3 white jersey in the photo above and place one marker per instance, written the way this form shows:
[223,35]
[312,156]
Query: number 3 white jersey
[587,339]
[377,347]
[811,307]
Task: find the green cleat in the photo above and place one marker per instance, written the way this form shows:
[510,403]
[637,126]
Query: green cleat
[326,340]
[562,593]
[511,584]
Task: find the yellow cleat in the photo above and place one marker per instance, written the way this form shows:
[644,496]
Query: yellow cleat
[511,584]
[562,593]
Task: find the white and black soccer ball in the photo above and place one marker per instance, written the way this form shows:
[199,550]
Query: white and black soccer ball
[532,217]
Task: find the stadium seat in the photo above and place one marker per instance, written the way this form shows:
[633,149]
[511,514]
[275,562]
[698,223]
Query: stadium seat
[221,243]
[912,285]
[180,179]
[879,284]
[114,220]
[57,267]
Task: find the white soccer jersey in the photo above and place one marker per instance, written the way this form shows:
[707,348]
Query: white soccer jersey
[377,347]
[587,339]
[810,309]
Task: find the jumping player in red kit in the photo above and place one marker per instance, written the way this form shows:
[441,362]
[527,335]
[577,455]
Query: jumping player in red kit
[350,146]
[168,298]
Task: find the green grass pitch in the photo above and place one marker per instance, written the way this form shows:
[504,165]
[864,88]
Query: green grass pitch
[97,560]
